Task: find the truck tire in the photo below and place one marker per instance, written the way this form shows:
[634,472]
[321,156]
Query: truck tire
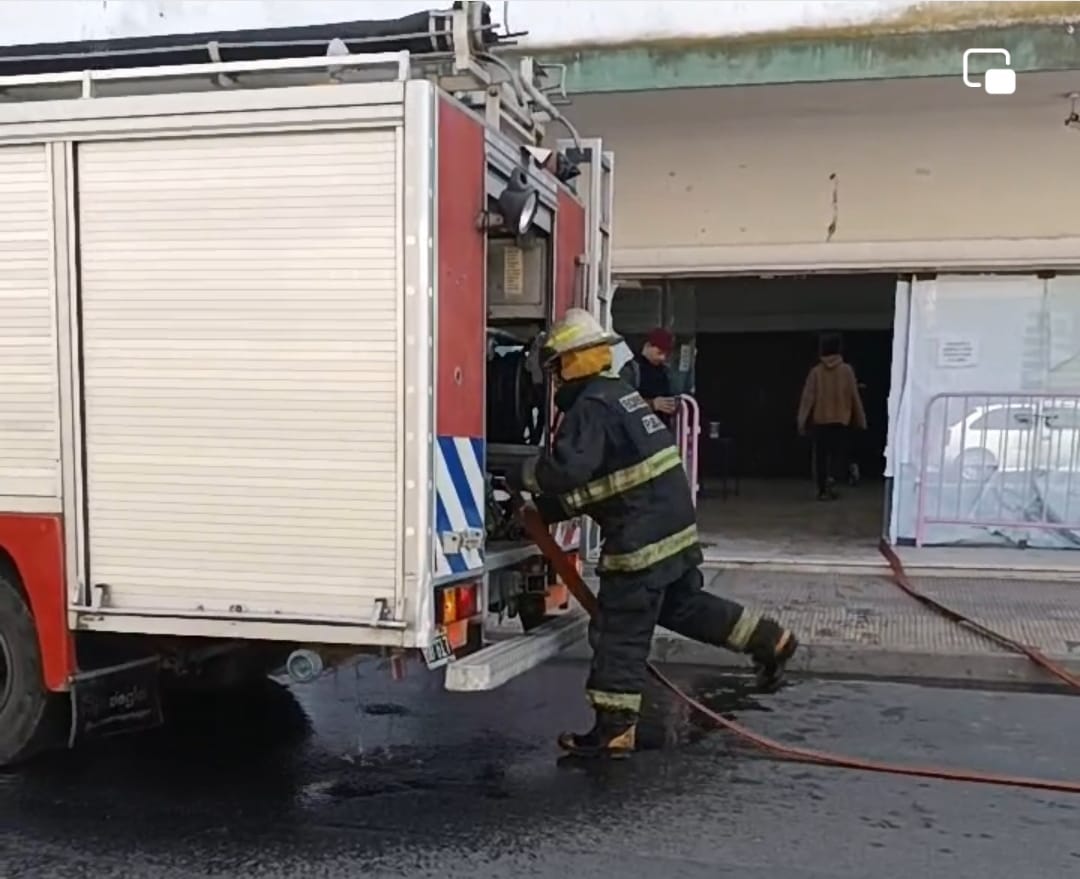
[25,715]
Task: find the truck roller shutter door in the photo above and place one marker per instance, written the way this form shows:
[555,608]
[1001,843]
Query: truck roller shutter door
[241,323]
[29,383]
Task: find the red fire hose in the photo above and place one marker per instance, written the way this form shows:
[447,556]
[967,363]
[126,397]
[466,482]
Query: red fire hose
[900,578]
[569,575]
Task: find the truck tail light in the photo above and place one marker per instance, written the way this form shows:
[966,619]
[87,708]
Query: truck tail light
[456,603]
[558,595]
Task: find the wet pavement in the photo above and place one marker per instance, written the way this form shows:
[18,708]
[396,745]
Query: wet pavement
[363,776]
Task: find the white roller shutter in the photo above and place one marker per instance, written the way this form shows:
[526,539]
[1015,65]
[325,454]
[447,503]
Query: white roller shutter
[241,335]
[29,384]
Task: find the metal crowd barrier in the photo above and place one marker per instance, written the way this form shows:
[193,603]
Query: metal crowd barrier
[999,460]
[687,433]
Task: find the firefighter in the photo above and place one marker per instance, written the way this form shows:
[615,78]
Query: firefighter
[613,459]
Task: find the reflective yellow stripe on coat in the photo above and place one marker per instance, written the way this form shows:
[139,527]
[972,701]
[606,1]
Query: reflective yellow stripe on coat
[622,480]
[653,553]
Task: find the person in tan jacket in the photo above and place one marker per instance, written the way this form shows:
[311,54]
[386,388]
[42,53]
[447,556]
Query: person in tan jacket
[829,408]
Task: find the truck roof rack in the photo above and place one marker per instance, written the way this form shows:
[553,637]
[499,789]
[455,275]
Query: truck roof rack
[451,47]
[418,34]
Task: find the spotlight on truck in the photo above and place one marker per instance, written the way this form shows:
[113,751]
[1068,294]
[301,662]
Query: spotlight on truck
[518,203]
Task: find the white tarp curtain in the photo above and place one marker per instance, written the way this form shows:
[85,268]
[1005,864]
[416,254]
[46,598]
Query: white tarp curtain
[992,335]
[901,337]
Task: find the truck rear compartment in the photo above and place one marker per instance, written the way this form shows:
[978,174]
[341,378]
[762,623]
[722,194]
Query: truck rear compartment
[273,350]
[269,329]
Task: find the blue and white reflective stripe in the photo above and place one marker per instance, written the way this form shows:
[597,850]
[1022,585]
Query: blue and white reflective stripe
[459,500]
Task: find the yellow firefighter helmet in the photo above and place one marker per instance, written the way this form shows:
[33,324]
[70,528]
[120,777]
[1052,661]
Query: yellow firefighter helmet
[578,330]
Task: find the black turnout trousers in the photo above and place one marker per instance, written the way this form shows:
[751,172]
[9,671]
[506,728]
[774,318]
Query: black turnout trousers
[630,609]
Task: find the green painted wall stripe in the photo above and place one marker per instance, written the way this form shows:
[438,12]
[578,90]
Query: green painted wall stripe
[760,61]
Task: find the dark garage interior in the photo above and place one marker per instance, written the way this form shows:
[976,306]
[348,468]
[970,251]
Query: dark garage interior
[749,384]
[755,339]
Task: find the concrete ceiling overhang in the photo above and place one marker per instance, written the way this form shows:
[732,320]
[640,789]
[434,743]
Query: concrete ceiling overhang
[928,41]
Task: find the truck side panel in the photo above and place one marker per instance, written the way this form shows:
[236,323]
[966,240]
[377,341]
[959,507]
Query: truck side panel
[241,331]
[31,529]
[29,393]
[569,246]
[459,340]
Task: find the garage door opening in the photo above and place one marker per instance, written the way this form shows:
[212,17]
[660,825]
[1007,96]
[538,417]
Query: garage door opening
[756,339]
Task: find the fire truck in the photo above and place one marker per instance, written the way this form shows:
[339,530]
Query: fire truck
[269,310]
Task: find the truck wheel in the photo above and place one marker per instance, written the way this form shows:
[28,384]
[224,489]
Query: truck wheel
[25,716]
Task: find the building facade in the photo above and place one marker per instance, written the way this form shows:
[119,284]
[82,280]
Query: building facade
[787,168]
[846,178]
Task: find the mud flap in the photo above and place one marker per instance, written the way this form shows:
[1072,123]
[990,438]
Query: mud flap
[121,699]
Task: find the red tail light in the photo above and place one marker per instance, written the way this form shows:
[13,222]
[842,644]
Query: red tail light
[468,597]
[454,603]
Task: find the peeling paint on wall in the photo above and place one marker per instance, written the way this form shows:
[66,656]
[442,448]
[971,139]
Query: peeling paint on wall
[834,222]
[639,45]
[551,23]
[775,59]
[844,21]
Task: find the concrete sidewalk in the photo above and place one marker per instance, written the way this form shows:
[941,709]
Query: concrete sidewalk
[864,559]
[863,625]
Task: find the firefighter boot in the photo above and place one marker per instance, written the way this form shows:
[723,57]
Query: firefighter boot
[771,647]
[613,735]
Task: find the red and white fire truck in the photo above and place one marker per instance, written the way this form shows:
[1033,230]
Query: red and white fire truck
[268,311]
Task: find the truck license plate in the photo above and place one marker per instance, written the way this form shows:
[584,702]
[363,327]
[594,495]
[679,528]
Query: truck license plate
[439,653]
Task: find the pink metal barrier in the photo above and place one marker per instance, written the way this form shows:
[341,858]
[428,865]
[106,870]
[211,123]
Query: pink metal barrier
[1000,461]
[687,432]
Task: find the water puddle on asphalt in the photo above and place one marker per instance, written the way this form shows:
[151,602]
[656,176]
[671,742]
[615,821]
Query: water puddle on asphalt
[669,722]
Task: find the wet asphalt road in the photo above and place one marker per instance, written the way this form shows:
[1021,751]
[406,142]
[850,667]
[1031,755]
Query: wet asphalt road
[374,778]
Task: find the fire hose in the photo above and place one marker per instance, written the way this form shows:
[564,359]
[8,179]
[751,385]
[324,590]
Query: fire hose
[568,574]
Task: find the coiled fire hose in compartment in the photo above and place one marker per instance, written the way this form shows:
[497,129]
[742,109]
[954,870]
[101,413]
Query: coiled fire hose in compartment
[515,403]
[568,573]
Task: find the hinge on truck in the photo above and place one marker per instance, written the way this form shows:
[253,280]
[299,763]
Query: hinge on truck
[381,612]
[99,595]
[454,542]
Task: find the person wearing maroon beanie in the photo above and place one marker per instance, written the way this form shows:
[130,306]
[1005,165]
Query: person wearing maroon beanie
[648,373]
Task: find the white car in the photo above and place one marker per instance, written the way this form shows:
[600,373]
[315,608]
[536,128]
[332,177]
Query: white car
[1023,434]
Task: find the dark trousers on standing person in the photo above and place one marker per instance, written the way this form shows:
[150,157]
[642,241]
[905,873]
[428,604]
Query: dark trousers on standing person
[830,455]
[631,606]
